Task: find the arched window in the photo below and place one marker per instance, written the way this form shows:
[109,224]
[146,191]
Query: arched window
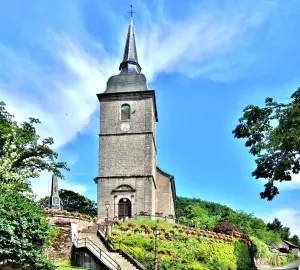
[125,112]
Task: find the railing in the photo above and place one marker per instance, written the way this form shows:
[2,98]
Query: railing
[132,256]
[101,234]
[100,254]
[102,228]
[123,250]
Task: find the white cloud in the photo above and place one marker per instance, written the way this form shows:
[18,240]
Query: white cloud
[289,185]
[64,99]
[289,217]
[42,186]
[63,95]
[213,43]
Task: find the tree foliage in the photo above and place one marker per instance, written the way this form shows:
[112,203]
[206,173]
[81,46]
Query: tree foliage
[272,133]
[295,240]
[23,154]
[23,231]
[278,227]
[73,201]
[209,214]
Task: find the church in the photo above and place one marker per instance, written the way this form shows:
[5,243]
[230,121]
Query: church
[128,176]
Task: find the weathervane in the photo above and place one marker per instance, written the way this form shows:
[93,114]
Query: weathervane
[131,12]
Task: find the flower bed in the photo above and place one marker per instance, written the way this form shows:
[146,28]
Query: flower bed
[180,246]
[53,212]
[62,222]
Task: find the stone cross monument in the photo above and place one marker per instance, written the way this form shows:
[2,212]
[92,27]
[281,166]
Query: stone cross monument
[54,200]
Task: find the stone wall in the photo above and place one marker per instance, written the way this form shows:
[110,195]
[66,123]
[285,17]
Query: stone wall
[127,158]
[61,245]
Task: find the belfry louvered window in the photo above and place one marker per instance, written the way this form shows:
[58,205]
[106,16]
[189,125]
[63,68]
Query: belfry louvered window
[125,112]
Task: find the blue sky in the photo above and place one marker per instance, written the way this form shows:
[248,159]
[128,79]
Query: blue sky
[206,60]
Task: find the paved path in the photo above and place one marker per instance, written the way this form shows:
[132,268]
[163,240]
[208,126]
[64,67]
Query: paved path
[291,266]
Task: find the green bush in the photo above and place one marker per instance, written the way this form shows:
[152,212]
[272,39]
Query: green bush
[23,231]
[290,257]
[241,252]
[281,260]
[185,252]
[261,250]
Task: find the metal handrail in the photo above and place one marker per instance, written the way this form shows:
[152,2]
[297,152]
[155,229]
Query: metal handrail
[133,253]
[103,256]
[101,228]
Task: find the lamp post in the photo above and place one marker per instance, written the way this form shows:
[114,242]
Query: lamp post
[156,233]
[106,206]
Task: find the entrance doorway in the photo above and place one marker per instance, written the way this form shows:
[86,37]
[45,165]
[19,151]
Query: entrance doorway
[124,208]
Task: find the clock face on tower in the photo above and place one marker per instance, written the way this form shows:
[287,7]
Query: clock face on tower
[125,126]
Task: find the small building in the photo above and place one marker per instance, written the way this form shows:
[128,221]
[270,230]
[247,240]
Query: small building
[285,247]
[292,247]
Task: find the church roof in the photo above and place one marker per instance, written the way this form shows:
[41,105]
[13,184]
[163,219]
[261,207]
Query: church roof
[130,59]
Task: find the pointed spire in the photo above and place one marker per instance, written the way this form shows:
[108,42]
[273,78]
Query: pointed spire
[130,60]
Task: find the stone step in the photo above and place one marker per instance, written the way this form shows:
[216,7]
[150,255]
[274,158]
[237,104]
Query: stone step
[124,264]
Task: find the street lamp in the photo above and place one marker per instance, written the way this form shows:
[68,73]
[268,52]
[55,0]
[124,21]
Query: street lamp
[156,233]
[106,206]
[124,208]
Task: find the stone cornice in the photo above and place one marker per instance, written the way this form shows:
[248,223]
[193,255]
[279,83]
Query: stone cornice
[96,179]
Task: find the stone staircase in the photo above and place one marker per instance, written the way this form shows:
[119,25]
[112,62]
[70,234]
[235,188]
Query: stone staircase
[105,253]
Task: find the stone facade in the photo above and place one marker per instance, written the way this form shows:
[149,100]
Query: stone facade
[165,194]
[128,177]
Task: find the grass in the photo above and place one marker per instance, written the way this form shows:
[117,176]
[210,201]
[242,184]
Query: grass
[65,265]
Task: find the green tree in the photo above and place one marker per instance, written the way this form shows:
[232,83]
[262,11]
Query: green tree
[23,155]
[23,231]
[295,240]
[278,227]
[73,201]
[272,133]
[270,237]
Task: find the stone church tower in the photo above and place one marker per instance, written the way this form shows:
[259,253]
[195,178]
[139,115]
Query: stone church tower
[128,177]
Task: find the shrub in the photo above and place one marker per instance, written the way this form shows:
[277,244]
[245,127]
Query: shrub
[261,250]
[225,228]
[290,257]
[23,231]
[241,252]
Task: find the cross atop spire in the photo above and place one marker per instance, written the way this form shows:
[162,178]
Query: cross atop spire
[131,12]
[130,60]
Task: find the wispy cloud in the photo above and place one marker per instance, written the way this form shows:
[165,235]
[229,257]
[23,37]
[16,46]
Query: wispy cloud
[215,43]
[289,217]
[42,186]
[55,78]
[63,99]
[60,89]
[290,185]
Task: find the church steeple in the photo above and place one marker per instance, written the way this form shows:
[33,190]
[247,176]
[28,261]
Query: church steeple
[130,60]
